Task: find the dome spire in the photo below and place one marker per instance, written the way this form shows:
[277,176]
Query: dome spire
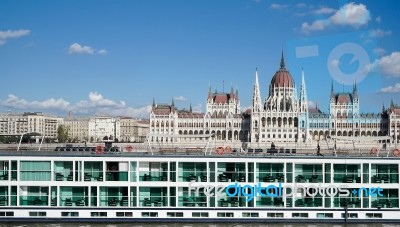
[282,61]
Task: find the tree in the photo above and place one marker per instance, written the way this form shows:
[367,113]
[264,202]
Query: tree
[62,134]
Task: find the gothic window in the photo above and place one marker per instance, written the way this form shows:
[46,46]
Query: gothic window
[296,123]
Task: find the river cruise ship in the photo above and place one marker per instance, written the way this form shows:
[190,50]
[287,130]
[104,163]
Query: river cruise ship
[197,185]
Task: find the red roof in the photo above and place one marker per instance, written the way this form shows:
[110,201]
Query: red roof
[396,111]
[163,109]
[344,98]
[282,78]
[222,98]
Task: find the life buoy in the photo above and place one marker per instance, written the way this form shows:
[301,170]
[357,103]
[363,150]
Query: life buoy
[228,149]
[219,150]
[374,150]
[396,152]
[99,149]
[129,148]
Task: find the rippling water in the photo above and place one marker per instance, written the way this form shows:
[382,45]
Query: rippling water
[190,225]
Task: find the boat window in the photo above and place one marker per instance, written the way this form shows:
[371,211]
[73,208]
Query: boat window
[225,215]
[199,214]
[98,214]
[37,214]
[6,214]
[373,215]
[350,215]
[150,214]
[300,215]
[124,214]
[275,215]
[324,215]
[250,215]
[69,214]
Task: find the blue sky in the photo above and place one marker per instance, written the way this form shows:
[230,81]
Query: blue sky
[113,57]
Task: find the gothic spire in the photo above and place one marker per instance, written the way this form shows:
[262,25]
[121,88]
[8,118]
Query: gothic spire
[154,102]
[173,104]
[303,93]
[332,91]
[209,90]
[355,90]
[190,108]
[256,95]
[282,61]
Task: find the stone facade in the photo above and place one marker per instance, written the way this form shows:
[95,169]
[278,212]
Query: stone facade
[35,122]
[283,116]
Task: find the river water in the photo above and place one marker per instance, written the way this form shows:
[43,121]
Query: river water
[189,225]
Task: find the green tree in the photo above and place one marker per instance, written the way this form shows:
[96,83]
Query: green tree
[62,134]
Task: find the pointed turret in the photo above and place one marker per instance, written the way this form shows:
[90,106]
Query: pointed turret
[332,91]
[173,103]
[256,95]
[355,94]
[209,90]
[237,94]
[303,94]
[282,61]
[383,107]
[190,107]
[391,104]
[154,102]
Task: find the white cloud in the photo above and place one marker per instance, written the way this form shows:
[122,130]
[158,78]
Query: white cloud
[198,108]
[378,33]
[355,15]
[102,52]
[97,100]
[388,65]
[301,5]
[311,104]
[324,10]
[278,6]
[180,98]
[317,25]
[77,48]
[95,104]
[14,101]
[378,19]
[12,34]
[351,14]
[391,89]
[379,51]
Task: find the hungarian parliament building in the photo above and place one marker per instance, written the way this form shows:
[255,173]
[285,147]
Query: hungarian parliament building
[282,117]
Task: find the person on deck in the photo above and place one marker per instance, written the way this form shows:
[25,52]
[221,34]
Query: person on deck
[319,150]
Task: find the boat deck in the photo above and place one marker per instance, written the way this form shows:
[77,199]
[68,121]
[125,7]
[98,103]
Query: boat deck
[294,153]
